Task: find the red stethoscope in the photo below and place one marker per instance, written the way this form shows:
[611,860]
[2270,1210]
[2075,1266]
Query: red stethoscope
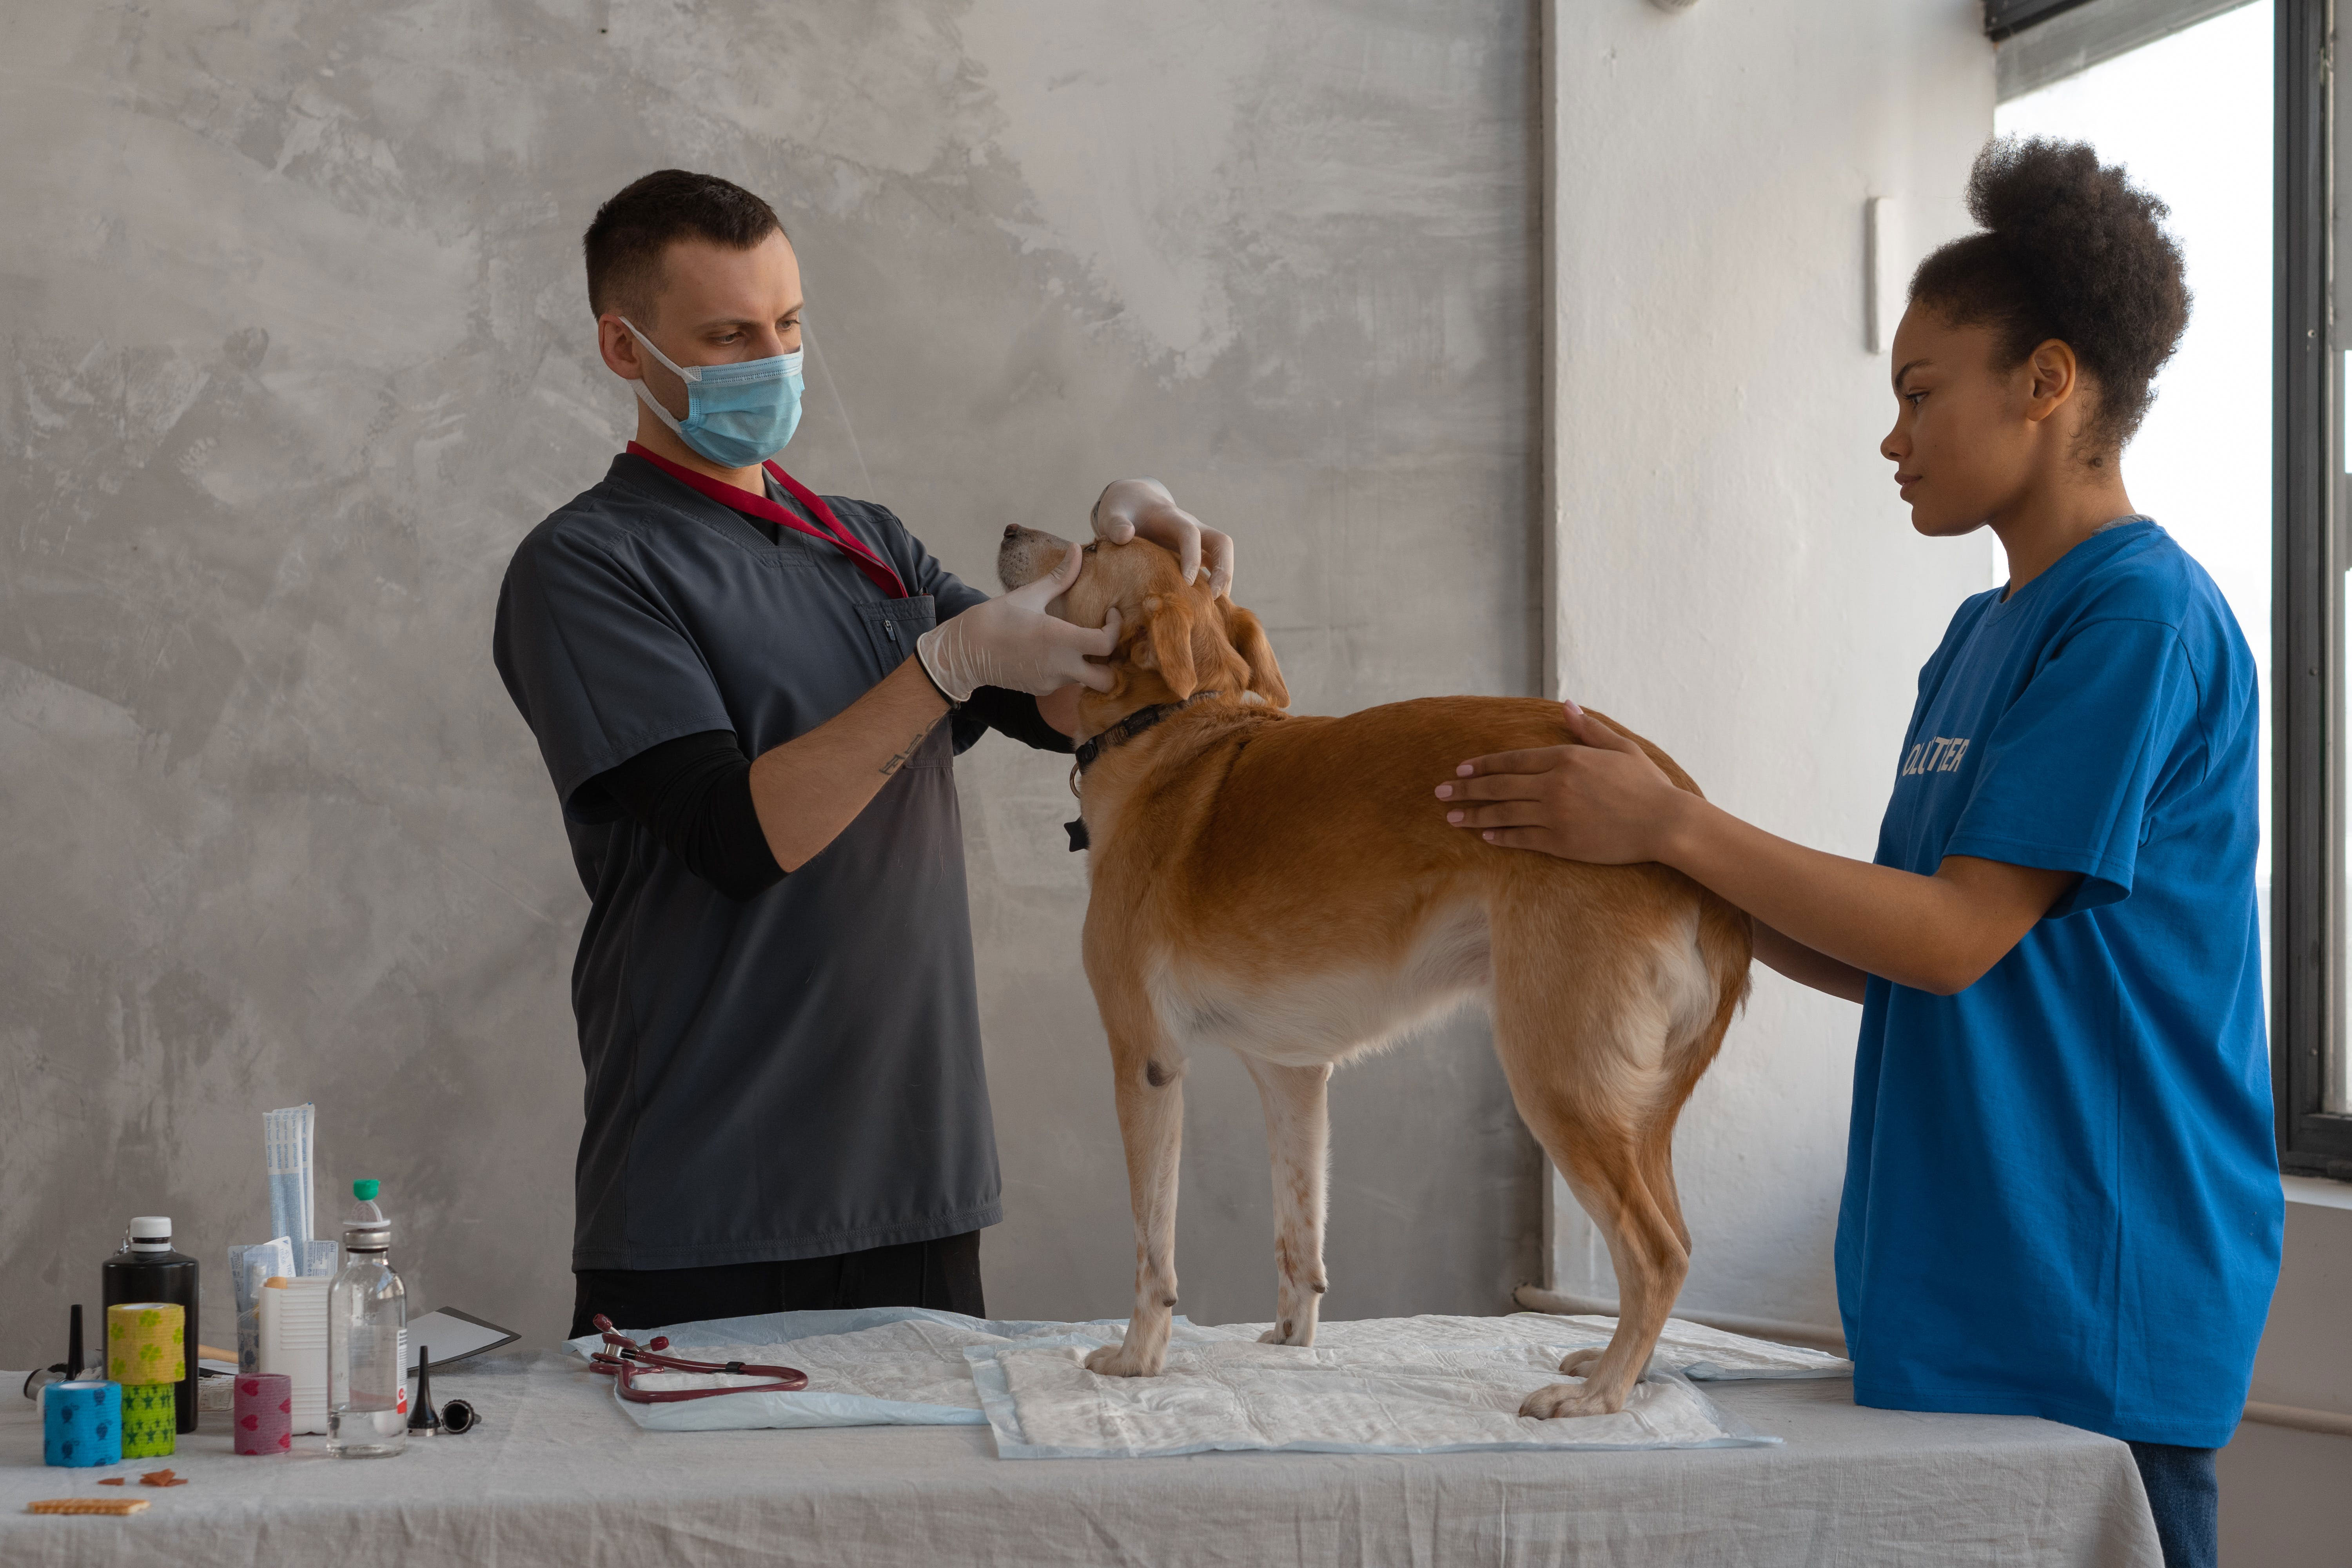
[622,1357]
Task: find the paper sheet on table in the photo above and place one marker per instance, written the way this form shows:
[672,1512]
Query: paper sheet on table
[908,1365]
[1042,1403]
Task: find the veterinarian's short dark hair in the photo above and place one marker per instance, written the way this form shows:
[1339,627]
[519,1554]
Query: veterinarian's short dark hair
[623,247]
[2070,249]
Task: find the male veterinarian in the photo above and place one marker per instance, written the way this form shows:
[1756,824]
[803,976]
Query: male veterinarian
[785,1104]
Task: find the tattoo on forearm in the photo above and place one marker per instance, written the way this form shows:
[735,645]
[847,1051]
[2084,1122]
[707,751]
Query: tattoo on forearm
[895,763]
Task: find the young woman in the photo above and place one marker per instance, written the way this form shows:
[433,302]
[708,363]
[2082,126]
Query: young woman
[2062,1193]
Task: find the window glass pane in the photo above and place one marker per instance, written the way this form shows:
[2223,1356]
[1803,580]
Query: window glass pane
[2190,117]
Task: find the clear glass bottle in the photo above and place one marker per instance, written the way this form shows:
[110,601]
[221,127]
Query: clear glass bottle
[367,1334]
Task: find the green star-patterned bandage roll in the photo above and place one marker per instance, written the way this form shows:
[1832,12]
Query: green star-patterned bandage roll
[151,1420]
[146,1342]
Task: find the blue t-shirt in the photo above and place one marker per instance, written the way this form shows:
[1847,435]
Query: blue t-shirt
[2062,1193]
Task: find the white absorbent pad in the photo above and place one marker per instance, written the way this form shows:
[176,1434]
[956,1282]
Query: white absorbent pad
[1042,1403]
[1693,1350]
[913,1366]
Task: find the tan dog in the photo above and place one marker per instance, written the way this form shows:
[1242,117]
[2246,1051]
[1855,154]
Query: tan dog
[1285,887]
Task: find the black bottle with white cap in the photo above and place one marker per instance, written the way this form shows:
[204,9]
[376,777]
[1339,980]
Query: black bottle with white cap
[147,1270]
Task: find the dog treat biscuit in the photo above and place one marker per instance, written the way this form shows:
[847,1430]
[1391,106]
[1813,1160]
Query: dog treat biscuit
[115,1505]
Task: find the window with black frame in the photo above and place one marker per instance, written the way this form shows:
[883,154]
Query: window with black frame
[2314,354]
[2224,109]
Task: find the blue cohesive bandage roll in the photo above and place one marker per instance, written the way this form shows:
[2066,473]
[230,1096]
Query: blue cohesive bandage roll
[81,1423]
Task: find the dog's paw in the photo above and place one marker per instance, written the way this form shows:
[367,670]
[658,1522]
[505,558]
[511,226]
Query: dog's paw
[1289,1331]
[1560,1399]
[1117,1361]
[1575,1362]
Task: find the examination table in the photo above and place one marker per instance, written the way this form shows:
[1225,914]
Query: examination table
[555,1474]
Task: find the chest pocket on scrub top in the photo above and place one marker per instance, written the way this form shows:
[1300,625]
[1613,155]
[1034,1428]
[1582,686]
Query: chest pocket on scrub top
[891,628]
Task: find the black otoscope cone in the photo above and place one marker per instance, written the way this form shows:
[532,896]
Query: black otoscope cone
[424,1417]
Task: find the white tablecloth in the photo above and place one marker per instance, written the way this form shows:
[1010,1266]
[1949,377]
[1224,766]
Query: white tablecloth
[557,1476]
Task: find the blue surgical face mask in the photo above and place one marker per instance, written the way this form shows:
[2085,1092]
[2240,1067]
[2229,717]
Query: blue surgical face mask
[736,414]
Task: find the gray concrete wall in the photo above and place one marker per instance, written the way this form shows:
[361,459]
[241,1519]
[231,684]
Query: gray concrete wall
[297,350]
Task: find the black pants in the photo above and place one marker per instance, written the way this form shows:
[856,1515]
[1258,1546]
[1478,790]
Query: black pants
[2185,1496]
[943,1274]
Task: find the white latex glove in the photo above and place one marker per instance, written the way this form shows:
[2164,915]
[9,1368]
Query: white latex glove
[1129,506]
[1011,642]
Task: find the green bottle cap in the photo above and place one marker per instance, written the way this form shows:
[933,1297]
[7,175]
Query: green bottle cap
[366,1191]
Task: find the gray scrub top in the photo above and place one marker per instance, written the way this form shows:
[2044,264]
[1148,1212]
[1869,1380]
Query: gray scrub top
[797,1074]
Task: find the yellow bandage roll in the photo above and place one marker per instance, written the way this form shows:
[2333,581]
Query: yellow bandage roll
[146,1342]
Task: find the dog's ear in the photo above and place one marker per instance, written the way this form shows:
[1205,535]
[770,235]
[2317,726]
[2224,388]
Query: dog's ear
[1248,637]
[1165,644]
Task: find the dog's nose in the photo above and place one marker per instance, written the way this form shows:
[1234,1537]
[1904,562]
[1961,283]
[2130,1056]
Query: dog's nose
[1012,530]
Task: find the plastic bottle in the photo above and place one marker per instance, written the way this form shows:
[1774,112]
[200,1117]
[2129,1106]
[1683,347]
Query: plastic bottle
[367,1340]
[147,1270]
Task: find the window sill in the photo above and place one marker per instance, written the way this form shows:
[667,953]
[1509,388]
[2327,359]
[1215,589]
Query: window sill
[2319,1191]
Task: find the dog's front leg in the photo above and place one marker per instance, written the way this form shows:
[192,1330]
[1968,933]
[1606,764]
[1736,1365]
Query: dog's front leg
[1298,1142]
[1150,1084]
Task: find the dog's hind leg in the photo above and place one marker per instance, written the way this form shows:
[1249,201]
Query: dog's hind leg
[1298,1143]
[1727,948]
[1657,1161]
[1606,1173]
[1582,1036]
[1150,1076]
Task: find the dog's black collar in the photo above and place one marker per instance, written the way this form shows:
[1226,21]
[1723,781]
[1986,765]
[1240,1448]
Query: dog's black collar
[1126,729]
[1135,724]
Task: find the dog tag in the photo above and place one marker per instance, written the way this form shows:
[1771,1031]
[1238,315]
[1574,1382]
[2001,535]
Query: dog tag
[1077,829]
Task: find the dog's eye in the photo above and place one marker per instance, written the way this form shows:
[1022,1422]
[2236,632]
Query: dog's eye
[1091,548]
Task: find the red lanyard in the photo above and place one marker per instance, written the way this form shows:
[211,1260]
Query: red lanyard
[878,571]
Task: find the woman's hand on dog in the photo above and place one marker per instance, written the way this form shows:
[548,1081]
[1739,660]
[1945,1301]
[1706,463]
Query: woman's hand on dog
[1130,506]
[1602,801]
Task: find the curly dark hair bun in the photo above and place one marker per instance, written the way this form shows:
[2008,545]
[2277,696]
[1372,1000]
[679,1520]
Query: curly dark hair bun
[2070,249]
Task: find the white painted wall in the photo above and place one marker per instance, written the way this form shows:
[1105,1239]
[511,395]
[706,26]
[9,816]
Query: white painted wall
[1735,577]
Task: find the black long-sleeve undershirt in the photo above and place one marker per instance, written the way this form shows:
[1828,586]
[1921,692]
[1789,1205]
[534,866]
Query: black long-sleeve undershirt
[1010,713]
[695,792]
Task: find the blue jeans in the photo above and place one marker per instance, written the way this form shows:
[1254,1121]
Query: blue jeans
[2185,1496]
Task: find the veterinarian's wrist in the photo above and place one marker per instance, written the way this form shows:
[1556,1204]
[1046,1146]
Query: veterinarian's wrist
[933,681]
[937,650]
[1679,832]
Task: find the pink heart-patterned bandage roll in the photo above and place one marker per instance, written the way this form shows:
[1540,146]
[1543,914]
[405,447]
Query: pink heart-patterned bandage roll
[265,1413]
